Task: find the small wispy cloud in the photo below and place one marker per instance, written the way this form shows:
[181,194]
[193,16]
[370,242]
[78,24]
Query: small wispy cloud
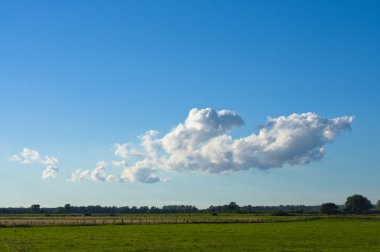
[203,143]
[29,156]
[126,151]
[50,172]
[97,174]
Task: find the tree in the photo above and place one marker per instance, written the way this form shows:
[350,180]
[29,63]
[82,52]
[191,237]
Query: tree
[67,208]
[358,204]
[233,207]
[35,208]
[329,208]
[378,205]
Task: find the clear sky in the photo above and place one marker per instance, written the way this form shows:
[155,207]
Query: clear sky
[81,83]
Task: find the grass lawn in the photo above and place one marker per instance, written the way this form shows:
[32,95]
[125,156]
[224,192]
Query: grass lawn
[319,235]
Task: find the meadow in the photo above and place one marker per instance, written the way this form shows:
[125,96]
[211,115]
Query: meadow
[273,234]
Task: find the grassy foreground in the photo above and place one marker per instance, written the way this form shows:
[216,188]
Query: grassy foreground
[319,235]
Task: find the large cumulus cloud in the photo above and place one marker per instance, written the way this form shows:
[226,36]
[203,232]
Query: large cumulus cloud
[203,143]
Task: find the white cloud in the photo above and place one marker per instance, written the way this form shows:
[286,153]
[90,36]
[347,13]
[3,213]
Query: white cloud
[49,160]
[126,151]
[142,175]
[49,172]
[113,178]
[28,156]
[15,158]
[200,126]
[141,172]
[203,143]
[80,175]
[97,174]
[120,163]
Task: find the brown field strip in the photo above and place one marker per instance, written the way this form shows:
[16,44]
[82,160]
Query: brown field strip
[86,221]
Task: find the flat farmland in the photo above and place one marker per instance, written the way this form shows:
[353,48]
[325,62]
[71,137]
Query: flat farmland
[24,220]
[326,234]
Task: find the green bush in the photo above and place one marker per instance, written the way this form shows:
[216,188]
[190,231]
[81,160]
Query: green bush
[329,208]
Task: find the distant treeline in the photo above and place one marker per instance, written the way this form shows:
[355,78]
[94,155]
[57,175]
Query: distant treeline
[170,209]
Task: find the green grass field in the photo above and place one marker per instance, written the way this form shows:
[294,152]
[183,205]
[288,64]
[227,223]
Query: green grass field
[317,235]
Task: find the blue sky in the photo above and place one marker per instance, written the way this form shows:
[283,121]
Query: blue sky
[78,77]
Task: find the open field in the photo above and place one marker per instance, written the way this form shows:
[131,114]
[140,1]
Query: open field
[25,220]
[333,234]
[35,220]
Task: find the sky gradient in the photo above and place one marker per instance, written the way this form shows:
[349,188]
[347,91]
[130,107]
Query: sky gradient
[79,77]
